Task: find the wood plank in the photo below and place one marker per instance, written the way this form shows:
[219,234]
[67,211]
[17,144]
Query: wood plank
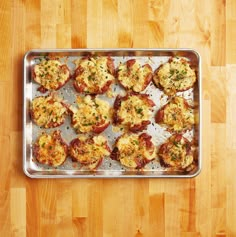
[5,39]
[109,21]
[118,194]
[218,33]
[79,24]
[63,32]
[230,32]
[32,24]
[94,24]
[18,45]
[125,24]
[4,112]
[203,181]
[231,110]
[18,212]
[5,221]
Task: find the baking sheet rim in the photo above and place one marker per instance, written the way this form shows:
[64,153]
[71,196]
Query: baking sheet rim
[49,50]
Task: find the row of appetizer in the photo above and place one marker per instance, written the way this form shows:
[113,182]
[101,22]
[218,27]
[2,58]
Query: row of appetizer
[131,112]
[94,75]
[131,150]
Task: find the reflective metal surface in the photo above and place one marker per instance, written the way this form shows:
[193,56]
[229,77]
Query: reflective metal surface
[108,168]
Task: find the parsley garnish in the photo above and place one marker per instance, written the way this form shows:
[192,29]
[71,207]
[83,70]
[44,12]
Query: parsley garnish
[139,110]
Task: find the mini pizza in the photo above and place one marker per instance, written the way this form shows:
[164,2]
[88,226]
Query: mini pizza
[177,115]
[94,75]
[50,149]
[51,75]
[177,152]
[133,111]
[132,76]
[89,151]
[174,76]
[48,111]
[134,151]
[91,115]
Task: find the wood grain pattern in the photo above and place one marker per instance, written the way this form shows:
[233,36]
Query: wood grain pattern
[204,206]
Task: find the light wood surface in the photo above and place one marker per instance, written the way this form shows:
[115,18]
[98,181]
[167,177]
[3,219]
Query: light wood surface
[204,206]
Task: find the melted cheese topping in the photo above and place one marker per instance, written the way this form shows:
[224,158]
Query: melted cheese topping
[89,153]
[48,111]
[134,110]
[95,74]
[177,155]
[132,149]
[90,113]
[177,116]
[51,151]
[174,76]
[51,74]
[134,78]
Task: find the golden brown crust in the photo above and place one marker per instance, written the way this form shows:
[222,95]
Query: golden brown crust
[89,151]
[94,75]
[134,151]
[51,75]
[50,149]
[133,111]
[132,76]
[91,115]
[177,115]
[48,111]
[177,152]
[174,76]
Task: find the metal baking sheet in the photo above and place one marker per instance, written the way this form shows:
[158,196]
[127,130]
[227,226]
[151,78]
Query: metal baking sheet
[109,168]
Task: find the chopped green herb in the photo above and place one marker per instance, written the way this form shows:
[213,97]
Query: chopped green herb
[176,143]
[87,124]
[139,110]
[172,71]
[173,156]
[174,116]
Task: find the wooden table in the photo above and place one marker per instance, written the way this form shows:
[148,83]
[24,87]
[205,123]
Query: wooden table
[203,206]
